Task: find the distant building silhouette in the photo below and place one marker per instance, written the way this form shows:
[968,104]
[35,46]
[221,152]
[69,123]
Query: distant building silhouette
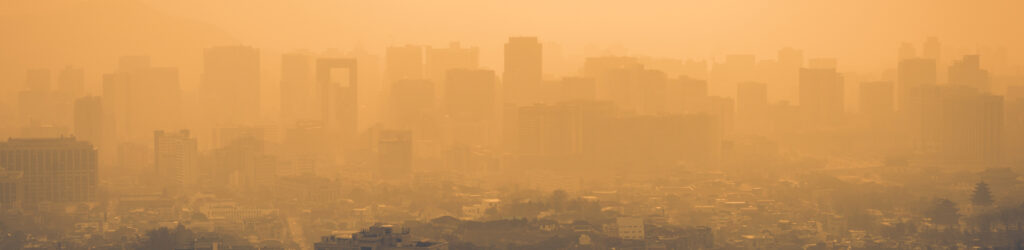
[141,98]
[968,72]
[470,106]
[298,88]
[821,96]
[12,189]
[439,61]
[176,159]
[735,69]
[55,170]
[338,79]
[523,70]
[962,125]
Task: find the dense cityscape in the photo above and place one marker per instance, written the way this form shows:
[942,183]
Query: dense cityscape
[413,145]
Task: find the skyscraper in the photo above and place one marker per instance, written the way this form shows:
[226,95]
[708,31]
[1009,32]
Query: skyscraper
[339,88]
[231,84]
[821,96]
[36,102]
[175,158]
[968,72]
[142,98]
[544,131]
[735,69]
[912,74]
[962,125]
[907,51]
[298,88]
[523,65]
[438,61]
[55,169]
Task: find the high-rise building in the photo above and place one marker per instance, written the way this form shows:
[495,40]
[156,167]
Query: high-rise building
[545,131]
[439,61]
[914,79]
[523,66]
[11,189]
[968,72]
[907,51]
[54,169]
[298,88]
[962,125]
[821,96]
[241,165]
[339,91]
[636,88]
[141,98]
[687,95]
[175,158]
[231,84]
[911,74]
[36,102]
[470,108]
[735,69]
[1014,123]
[724,110]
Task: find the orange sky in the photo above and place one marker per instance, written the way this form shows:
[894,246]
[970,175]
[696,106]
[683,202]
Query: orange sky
[864,35]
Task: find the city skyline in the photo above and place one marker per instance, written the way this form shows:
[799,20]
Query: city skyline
[322,124]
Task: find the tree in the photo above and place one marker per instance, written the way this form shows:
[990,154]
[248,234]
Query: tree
[982,195]
[944,212]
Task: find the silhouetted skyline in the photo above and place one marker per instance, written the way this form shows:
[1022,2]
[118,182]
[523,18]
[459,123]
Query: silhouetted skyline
[317,124]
